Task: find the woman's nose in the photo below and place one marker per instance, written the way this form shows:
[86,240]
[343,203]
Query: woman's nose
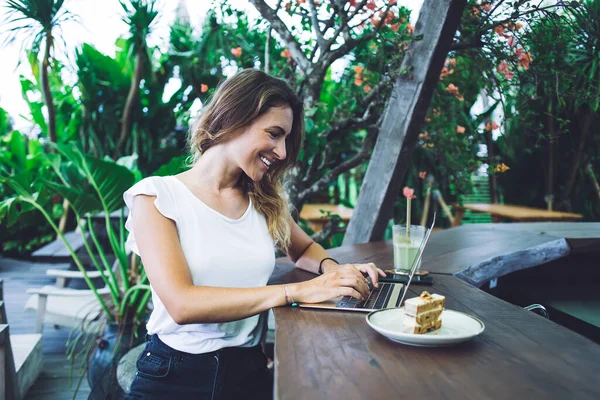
[280,149]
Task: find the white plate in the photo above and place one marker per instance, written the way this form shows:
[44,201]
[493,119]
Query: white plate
[456,327]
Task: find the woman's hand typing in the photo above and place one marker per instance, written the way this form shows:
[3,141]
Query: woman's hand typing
[345,280]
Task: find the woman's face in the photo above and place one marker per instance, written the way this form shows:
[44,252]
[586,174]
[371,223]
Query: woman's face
[262,144]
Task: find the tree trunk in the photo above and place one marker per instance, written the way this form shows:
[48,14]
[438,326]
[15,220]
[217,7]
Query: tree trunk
[586,126]
[489,139]
[132,99]
[46,89]
[550,177]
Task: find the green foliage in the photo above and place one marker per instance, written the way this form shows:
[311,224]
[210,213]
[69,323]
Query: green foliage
[67,107]
[552,112]
[139,16]
[35,18]
[90,185]
[21,231]
[5,125]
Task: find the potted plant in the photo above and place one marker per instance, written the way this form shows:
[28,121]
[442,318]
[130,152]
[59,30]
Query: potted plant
[91,186]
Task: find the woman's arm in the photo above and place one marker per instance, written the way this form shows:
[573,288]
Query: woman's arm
[169,274]
[307,255]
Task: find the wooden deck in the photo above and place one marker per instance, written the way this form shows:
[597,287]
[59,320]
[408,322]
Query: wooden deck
[53,383]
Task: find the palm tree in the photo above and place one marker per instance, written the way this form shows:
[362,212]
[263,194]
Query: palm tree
[139,15]
[39,18]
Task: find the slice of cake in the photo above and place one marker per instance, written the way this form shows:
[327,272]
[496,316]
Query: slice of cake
[422,314]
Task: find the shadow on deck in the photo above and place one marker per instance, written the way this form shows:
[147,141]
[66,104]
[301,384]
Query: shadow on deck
[54,382]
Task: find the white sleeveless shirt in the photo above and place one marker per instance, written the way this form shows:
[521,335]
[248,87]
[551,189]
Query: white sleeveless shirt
[220,251]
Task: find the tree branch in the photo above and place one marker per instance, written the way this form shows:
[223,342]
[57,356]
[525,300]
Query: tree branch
[330,229]
[348,45]
[295,50]
[355,161]
[457,46]
[315,22]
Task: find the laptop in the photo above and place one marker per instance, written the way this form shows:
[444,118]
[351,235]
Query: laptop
[387,295]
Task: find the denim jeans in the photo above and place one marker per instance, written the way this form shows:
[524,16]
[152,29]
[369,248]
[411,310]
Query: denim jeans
[229,373]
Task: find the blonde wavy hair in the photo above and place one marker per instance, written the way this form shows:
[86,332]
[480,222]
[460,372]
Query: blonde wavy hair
[236,103]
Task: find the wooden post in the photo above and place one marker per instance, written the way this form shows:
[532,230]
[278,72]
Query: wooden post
[404,115]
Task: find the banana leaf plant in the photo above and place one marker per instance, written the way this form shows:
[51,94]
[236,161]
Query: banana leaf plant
[19,154]
[90,185]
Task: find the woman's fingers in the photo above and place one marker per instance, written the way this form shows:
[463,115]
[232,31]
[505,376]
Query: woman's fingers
[358,283]
[372,271]
[348,291]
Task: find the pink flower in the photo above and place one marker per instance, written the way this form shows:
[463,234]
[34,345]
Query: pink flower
[367,88]
[452,89]
[524,58]
[408,192]
[203,88]
[512,41]
[286,53]
[460,129]
[236,51]
[422,174]
[445,72]
[491,126]
[502,67]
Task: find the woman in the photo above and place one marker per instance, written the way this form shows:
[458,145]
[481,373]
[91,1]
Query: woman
[207,239]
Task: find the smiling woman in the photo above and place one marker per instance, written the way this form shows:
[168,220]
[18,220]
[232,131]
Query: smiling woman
[207,239]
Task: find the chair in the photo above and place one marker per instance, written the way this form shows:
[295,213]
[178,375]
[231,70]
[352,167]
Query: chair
[60,306]
[538,309]
[20,359]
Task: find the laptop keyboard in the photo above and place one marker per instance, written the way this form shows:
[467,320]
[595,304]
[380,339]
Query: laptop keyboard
[376,300]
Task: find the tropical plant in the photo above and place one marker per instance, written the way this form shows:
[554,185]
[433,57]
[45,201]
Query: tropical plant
[90,185]
[20,155]
[139,15]
[39,19]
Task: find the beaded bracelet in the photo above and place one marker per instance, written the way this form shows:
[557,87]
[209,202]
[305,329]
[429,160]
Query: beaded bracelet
[321,264]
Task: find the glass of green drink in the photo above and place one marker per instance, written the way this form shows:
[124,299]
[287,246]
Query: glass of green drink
[406,246]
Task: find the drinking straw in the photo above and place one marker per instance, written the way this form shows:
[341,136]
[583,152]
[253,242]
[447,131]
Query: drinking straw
[408,217]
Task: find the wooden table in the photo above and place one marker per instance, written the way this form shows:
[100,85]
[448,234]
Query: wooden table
[316,214]
[500,212]
[336,355]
